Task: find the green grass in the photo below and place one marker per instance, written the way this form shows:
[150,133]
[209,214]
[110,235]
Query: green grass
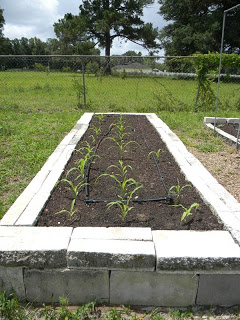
[12,309]
[38,109]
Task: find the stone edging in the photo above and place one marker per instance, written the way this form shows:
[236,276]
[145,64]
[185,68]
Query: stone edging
[208,122]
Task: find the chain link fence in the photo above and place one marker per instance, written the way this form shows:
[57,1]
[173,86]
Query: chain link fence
[116,83]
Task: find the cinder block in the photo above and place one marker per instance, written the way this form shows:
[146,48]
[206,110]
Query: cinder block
[111,254]
[86,118]
[35,247]
[113,233]
[196,250]
[233,120]
[153,289]
[219,289]
[79,286]
[212,120]
[11,280]
[78,135]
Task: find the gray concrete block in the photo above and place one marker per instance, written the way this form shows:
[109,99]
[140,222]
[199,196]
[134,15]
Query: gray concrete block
[196,250]
[219,289]
[111,254]
[11,281]
[31,213]
[233,120]
[78,135]
[79,286]
[35,247]
[212,120]
[86,118]
[117,233]
[153,289]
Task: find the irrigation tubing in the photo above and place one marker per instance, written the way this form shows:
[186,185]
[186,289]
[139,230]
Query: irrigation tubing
[89,165]
[155,160]
[89,201]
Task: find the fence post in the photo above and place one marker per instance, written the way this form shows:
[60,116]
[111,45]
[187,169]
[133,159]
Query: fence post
[83,80]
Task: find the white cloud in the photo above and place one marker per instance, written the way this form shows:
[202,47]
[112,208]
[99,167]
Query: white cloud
[35,18]
[14,31]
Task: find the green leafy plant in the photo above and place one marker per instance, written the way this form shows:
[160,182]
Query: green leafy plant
[79,90]
[156,153]
[121,134]
[177,190]
[127,187]
[187,211]
[75,189]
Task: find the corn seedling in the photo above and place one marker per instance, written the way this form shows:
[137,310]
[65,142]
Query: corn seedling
[100,118]
[75,189]
[71,211]
[176,190]
[121,135]
[121,178]
[96,130]
[123,204]
[187,211]
[127,187]
[156,153]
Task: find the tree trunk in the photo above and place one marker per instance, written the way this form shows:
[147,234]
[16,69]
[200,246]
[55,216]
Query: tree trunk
[107,52]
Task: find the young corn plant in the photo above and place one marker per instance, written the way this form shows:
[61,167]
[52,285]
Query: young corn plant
[75,189]
[127,187]
[119,140]
[156,153]
[177,190]
[187,211]
[124,205]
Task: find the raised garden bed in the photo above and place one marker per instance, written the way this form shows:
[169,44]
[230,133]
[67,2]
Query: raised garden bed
[123,265]
[156,180]
[227,128]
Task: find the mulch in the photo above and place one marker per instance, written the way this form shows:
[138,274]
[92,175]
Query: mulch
[158,215]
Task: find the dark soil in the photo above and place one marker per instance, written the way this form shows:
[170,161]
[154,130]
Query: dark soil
[157,214]
[229,128]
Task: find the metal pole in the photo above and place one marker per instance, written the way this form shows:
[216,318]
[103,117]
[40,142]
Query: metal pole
[219,70]
[238,134]
[220,61]
[83,80]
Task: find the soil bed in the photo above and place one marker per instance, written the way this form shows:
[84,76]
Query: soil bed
[229,128]
[158,215]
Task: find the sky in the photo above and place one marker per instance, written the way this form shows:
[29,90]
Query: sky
[35,18]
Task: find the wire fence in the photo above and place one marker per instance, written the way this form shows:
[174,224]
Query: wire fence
[116,83]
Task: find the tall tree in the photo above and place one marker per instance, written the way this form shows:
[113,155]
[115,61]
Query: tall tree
[104,20]
[196,26]
[4,42]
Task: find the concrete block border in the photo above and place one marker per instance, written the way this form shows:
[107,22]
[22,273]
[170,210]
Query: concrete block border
[135,266]
[209,123]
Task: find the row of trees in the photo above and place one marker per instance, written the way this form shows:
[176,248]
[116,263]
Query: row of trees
[194,26]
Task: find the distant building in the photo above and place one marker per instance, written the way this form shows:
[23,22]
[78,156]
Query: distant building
[131,68]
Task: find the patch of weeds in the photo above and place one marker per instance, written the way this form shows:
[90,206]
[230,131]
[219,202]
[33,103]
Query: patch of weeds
[207,147]
[181,314]
[10,307]
[4,130]
[79,90]
[19,89]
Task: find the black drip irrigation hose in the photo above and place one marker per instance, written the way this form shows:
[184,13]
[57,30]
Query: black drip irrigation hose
[156,162]
[89,165]
[89,201]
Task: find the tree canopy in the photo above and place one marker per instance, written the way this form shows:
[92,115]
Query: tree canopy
[102,21]
[196,26]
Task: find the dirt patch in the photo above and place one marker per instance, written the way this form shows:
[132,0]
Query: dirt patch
[224,166]
[229,128]
[154,214]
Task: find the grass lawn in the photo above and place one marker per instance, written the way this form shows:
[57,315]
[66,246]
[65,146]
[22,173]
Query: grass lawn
[38,109]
